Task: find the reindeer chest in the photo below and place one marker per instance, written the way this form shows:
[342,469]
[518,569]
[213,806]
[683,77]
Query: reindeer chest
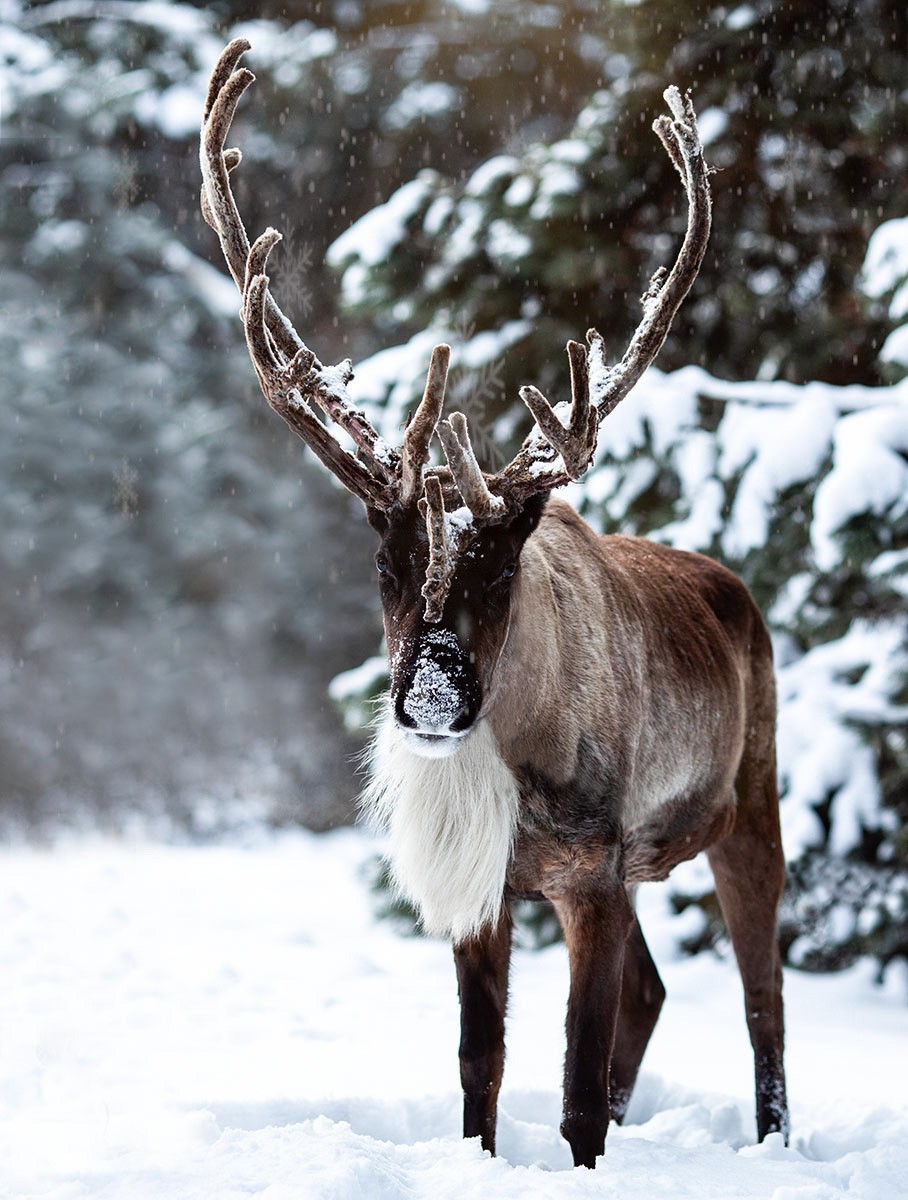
[546,867]
[568,834]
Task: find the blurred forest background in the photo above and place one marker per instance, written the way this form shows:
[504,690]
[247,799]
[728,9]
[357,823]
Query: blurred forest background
[181,583]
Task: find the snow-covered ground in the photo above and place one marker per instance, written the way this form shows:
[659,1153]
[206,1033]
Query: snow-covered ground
[229,1021]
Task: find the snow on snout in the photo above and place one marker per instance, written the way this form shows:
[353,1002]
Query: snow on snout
[435,698]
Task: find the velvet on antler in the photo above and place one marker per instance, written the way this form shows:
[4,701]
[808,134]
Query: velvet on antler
[298,385]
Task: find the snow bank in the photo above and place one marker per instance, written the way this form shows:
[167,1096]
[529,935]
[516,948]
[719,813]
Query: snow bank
[182,1022]
[370,239]
[884,277]
[870,474]
[824,698]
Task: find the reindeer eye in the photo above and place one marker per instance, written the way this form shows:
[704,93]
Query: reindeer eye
[507,572]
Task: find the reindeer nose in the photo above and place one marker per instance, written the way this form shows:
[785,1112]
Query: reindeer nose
[437,692]
[464,718]
[401,716]
[436,701]
[458,721]
[433,703]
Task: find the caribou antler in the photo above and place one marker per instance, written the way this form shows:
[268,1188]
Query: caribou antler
[291,376]
[295,382]
[415,450]
[556,453]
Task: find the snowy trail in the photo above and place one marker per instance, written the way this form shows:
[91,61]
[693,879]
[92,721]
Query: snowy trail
[230,1022]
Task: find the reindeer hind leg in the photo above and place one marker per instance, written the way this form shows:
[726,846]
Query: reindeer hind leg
[749,871]
[642,994]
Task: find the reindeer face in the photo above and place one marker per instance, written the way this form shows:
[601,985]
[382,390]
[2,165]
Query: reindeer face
[441,670]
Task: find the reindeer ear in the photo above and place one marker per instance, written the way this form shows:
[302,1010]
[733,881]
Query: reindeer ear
[377,518]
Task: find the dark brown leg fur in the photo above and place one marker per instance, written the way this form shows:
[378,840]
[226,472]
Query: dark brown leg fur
[482,982]
[596,925]
[642,994]
[749,870]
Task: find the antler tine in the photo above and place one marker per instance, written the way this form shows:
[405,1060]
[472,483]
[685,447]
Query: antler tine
[663,298]
[227,85]
[278,383]
[261,348]
[575,442]
[220,107]
[261,345]
[281,358]
[223,69]
[554,453]
[471,483]
[442,561]
[415,451]
[232,159]
[259,253]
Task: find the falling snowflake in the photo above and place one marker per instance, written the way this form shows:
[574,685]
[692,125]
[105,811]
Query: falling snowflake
[292,262]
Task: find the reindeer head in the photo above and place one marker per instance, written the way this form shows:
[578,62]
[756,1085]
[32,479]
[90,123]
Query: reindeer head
[451,536]
[447,581]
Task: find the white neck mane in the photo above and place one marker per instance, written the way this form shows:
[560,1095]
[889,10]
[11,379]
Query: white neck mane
[451,822]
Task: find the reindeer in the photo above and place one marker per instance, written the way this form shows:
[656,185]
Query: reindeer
[569,715]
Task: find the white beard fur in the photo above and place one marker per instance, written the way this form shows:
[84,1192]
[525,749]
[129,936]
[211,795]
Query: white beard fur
[451,823]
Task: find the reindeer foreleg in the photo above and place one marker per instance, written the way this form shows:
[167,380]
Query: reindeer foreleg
[596,924]
[482,981]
